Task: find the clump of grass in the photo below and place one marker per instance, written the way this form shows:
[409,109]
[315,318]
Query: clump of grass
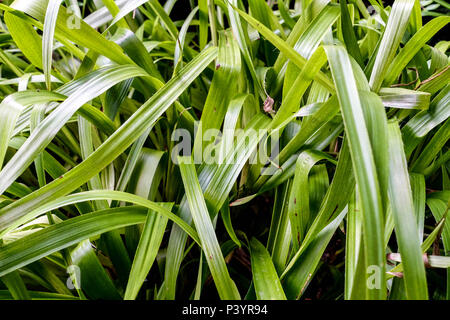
[229,149]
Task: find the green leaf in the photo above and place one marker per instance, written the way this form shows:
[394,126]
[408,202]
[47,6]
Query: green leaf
[353,248]
[349,35]
[25,37]
[291,101]
[296,280]
[406,228]
[51,15]
[16,286]
[431,150]
[225,214]
[393,33]
[225,286]
[228,65]
[62,235]
[425,121]
[91,277]
[413,46]
[101,195]
[149,243]
[265,278]
[10,109]
[363,162]
[404,98]
[299,209]
[280,231]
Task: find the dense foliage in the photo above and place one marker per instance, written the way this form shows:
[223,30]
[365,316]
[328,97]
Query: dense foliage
[110,187]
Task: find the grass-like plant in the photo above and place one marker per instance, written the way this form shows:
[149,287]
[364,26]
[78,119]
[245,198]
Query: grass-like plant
[326,176]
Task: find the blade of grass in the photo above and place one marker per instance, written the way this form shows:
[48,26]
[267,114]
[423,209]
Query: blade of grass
[406,228]
[224,284]
[363,163]
[265,278]
[393,33]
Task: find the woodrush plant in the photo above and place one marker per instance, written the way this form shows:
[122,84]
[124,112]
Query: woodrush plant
[348,103]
